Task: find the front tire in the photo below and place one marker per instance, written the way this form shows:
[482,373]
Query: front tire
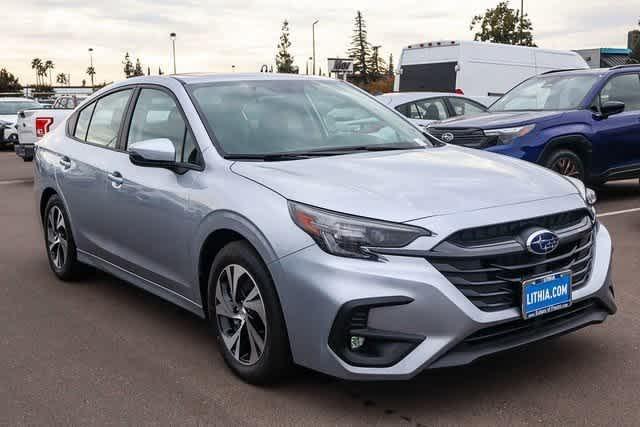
[567,163]
[245,312]
[60,246]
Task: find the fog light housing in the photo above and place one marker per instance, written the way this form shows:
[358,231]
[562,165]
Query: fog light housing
[353,341]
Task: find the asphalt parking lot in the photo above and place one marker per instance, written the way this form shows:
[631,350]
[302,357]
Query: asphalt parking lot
[102,352]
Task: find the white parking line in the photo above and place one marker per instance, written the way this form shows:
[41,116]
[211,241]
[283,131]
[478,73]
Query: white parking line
[16,181]
[618,212]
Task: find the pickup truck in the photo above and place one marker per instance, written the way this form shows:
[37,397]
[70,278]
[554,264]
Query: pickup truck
[35,123]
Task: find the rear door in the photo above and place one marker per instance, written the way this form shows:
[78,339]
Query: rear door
[619,135]
[82,168]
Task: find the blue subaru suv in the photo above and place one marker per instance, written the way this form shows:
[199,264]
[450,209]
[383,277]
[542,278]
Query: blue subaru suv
[580,123]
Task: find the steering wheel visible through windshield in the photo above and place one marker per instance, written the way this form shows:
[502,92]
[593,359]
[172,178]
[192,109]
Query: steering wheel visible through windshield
[550,92]
[266,117]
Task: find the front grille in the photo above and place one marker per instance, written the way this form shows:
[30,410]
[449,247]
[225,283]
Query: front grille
[472,138]
[489,264]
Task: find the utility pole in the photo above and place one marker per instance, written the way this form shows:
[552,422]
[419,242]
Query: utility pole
[313,37]
[172,36]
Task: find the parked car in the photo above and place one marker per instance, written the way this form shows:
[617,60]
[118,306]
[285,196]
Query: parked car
[476,68]
[584,124]
[367,251]
[425,108]
[35,123]
[9,108]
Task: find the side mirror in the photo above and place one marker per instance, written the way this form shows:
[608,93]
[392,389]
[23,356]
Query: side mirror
[610,108]
[158,153]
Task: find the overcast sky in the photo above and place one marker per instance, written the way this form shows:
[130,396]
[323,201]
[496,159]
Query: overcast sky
[214,35]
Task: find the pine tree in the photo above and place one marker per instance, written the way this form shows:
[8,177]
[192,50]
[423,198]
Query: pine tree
[128,66]
[360,50]
[376,65]
[138,71]
[284,60]
[390,68]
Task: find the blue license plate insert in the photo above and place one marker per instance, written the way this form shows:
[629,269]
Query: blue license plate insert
[546,294]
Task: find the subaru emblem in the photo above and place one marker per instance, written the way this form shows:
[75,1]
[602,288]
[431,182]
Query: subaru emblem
[447,137]
[542,242]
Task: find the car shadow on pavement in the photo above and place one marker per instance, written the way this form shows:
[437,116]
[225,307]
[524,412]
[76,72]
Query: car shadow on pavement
[618,191]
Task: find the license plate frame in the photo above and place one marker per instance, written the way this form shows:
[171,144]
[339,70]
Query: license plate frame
[545,300]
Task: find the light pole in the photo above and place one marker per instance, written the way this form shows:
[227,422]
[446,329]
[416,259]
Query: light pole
[172,36]
[313,38]
[91,65]
[521,19]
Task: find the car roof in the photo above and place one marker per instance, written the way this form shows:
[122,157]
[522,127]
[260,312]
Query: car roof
[399,98]
[196,78]
[593,71]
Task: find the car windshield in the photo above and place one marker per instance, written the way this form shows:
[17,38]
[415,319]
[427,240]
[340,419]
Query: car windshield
[13,107]
[267,117]
[550,92]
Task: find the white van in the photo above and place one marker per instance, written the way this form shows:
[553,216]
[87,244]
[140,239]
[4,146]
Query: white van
[476,68]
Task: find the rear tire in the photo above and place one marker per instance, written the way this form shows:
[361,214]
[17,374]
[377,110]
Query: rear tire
[59,243]
[566,162]
[247,316]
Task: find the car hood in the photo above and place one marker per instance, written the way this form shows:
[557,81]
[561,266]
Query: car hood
[406,185]
[498,119]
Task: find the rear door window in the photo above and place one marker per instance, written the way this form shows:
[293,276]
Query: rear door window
[462,107]
[83,122]
[107,118]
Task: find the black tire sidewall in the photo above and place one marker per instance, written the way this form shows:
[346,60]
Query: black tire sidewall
[70,266]
[559,154]
[276,359]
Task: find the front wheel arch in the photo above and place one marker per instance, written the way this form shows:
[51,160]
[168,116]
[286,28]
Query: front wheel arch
[577,143]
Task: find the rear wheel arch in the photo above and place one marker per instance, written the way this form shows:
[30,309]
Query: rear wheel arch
[44,199]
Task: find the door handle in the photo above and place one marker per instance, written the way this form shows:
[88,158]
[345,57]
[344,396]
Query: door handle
[65,162]
[116,179]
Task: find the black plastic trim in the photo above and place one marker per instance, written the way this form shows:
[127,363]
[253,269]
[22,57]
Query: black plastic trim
[396,345]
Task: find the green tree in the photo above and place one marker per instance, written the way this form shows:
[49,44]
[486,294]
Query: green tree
[47,69]
[61,79]
[36,65]
[91,72]
[360,50]
[284,59]
[8,82]
[390,69]
[503,25]
[138,71]
[377,66]
[128,66]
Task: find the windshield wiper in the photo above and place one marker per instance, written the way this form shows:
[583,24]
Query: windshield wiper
[370,147]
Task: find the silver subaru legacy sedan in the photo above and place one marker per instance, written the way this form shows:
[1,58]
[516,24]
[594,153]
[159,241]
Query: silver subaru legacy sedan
[311,225]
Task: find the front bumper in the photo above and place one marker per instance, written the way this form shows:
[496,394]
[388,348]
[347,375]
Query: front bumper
[26,151]
[318,285]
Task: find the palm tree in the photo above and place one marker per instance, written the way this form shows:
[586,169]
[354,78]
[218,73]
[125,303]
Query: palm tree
[36,64]
[91,71]
[61,79]
[48,67]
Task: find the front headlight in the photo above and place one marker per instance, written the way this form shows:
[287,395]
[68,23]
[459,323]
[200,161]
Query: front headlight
[351,236]
[508,135]
[588,195]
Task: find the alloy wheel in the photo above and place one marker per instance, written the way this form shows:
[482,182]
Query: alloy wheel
[566,166]
[240,314]
[57,237]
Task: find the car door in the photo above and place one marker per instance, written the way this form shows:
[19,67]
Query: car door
[618,136]
[147,222]
[81,173]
